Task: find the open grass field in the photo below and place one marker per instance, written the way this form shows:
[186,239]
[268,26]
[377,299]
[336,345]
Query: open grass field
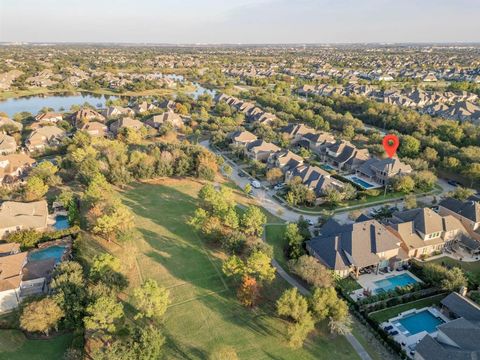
[274,235]
[204,313]
[14,346]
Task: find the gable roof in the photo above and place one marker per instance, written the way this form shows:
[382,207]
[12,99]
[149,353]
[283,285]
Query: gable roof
[462,307]
[469,209]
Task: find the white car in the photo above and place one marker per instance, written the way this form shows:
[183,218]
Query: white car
[279,187]
[256,184]
[310,222]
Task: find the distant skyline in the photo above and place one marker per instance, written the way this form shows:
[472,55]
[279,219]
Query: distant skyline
[240,21]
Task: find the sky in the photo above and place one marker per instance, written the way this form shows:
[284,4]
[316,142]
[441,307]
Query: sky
[240,21]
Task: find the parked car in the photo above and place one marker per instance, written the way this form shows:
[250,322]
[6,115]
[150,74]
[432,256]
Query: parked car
[241,174]
[279,187]
[310,222]
[256,184]
[453,183]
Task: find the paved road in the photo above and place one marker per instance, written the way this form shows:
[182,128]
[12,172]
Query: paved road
[266,200]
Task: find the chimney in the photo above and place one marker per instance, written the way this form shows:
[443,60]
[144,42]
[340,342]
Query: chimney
[463,291]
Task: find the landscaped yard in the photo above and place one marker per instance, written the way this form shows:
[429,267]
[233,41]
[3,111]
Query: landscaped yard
[384,315]
[473,267]
[204,313]
[14,346]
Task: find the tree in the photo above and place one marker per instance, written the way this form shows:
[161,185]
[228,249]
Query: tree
[102,314]
[248,292]
[409,146]
[461,193]
[26,238]
[333,196]
[410,201]
[298,331]
[473,172]
[147,343]
[454,280]
[274,175]
[223,353]
[248,188]
[404,184]
[292,304]
[151,300]
[47,172]
[430,154]
[233,266]
[34,189]
[259,266]
[310,270]
[253,221]
[341,326]
[103,263]
[42,315]
[425,180]
[323,301]
[294,240]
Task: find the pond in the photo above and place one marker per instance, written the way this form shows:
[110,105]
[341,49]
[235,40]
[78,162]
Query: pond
[33,104]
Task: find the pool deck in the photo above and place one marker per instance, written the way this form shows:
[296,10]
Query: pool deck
[367,281]
[405,337]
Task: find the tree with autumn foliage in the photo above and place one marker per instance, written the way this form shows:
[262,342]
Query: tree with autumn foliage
[248,292]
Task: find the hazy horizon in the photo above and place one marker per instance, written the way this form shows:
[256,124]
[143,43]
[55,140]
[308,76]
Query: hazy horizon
[246,22]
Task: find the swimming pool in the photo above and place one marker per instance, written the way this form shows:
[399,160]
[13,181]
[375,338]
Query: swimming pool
[55,252]
[392,282]
[327,167]
[360,182]
[61,222]
[419,321]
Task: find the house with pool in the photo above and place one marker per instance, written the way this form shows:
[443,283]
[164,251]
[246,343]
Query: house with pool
[381,171]
[15,216]
[364,247]
[450,330]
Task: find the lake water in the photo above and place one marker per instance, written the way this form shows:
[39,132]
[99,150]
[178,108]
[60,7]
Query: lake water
[33,104]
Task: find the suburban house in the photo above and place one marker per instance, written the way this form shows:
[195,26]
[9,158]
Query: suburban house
[117,111]
[295,132]
[365,245]
[6,123]
[423,231]
[382,171]
[8,144]
[456,339]
[168,117]
[468,212]
[127,123]
[143,107]
[86,114]
[10,279]
[49,117]
[13,166]
[315,141]
[43,137]
[343,155]
[261,150]
[315,178]
[242,138]
[16,216]
[285,160]
[95,129]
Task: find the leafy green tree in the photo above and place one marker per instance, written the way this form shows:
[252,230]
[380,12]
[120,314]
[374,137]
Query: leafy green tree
[310,270]
[323,301]
[425,180]
[292,304]
[34,189]
[409,146]
[253,221]
[102,314]
[258,265]
[404,184]
[47,172]
[454,280]
[461,193]
[26,238]
[41,315]
[151,300]
[298,331]
[274,175]
[294,240]
[248,188]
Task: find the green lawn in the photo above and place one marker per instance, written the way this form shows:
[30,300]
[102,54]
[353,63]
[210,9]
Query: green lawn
[14,346]
[274,235]
[473,267]
[204,313]
[384,315]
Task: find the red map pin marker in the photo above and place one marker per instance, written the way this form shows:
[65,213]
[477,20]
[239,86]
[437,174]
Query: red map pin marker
[390,144]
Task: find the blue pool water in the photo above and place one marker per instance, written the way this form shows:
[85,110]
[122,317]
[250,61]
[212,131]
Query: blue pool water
[327,167]
[421,321]
[360,182]
[55,252]
[61,222]
[392,282]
